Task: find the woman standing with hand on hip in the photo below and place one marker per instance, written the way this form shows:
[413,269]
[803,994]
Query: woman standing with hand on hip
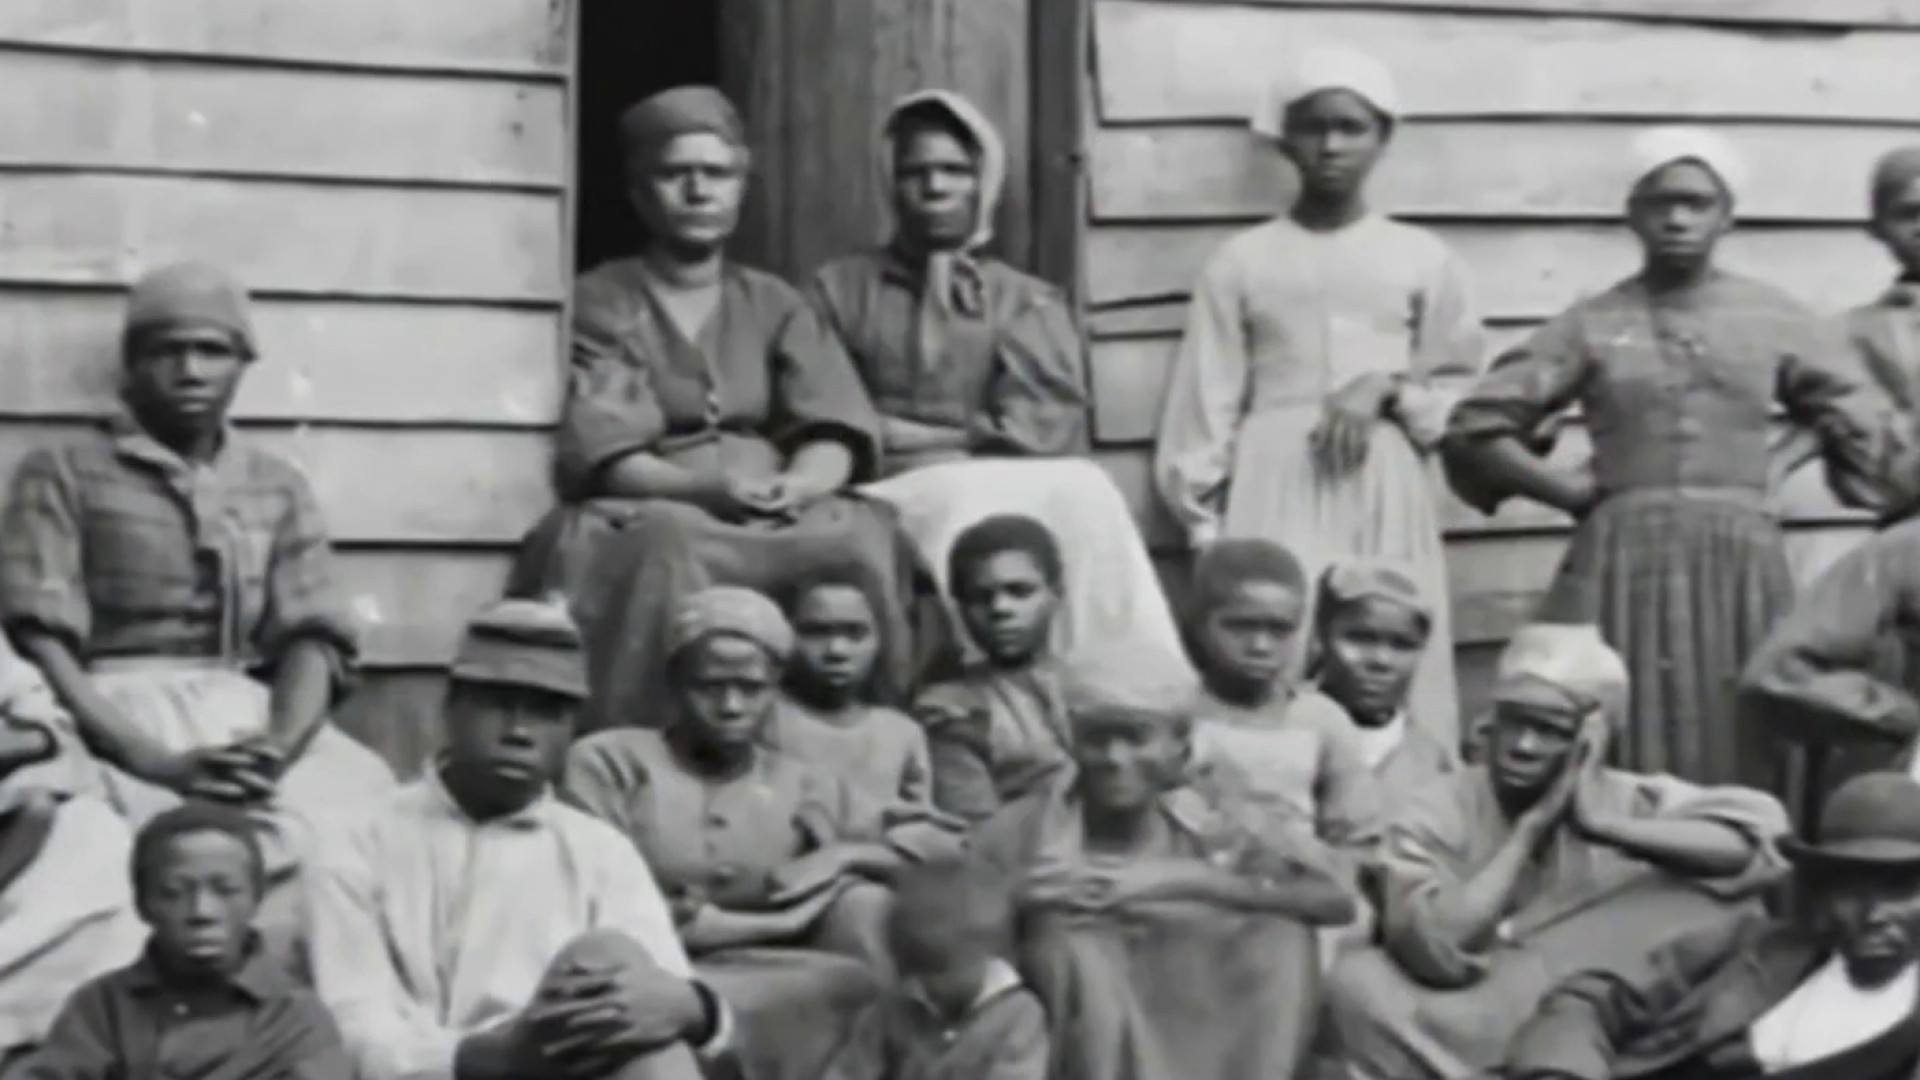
[1320,359]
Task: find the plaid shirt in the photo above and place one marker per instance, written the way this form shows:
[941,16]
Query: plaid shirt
[124,549]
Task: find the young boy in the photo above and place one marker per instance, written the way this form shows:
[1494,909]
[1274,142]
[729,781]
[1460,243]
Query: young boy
[203,1002]
[999,731]
[827,719]
[959,1011]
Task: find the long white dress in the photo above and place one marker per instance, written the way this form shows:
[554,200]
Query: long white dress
[1282,318]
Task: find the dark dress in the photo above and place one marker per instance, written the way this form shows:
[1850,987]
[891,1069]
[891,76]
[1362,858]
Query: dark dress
[764,379]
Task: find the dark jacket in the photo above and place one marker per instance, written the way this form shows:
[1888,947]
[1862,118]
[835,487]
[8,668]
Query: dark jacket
[1685,1009]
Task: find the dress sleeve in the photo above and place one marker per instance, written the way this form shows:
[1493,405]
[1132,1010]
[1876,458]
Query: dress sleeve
[1448,353]
[818,393]
[1828,670]
[1524,387]
[1755,815]
[1025,1050]
[611,409]
[1037,400]
[43,583]
[1424,863]
[390,1035]
[303,599]
[916,773]
[602,781]
[1826,390]
[1206,401]
[1582,1026]
[959,751]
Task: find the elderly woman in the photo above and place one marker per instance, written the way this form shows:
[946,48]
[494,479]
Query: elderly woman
[710,427]
[174,585]
[980,378]
[1321,353]
[1501,879]
[1677,371]
[1165,937]
[774,886]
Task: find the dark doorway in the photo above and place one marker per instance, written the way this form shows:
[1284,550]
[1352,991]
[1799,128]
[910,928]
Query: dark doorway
[629,49]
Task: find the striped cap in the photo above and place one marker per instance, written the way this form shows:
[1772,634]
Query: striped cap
[529,643]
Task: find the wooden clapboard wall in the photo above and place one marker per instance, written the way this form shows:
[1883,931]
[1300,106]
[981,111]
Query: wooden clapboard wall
[1519,114]
[390,179]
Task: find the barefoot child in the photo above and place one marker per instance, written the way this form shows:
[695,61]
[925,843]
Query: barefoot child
[204,1001]
[827,718]
[1000,730]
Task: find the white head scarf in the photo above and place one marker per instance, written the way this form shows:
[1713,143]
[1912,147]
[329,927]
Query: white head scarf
[993,151]
[1330,67]
[1563,667]
[1657,148]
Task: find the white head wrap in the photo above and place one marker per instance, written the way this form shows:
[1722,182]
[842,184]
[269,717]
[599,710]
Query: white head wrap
[993,152]
[1657,148]
[1567,668]
[1330,67]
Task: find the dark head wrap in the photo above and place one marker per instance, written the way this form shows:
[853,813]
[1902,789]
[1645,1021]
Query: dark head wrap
[188,295]
[1001,533]
[1893,171]
[647,127]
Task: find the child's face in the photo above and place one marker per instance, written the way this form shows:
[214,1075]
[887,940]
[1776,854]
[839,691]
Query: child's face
[1896,223]
[836,639]
[200,900]
[1371,649]
[1249,638]
[1125,763]
[1007,603]
[1334,138]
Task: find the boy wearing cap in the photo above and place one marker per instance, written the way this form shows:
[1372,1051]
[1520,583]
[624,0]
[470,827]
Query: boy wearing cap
[175,586]
[1677,557]
[1504,877]
[1832,993]
[472,927]
[205,1001]
[959,1011]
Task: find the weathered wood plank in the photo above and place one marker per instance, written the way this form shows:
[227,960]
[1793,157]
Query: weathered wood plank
[1162,61]
[1129,377]
[320,360]
[397,715]
[1151,319]
[326,239]
[479,35]
[389,485]
[1520,271]
[411,603]
[68,110]
[1783,13]
[1478,169]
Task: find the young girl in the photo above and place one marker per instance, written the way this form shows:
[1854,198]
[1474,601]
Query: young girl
[1320,359]
[827,719]
[1293,758]
[1371,626]
[1000,729]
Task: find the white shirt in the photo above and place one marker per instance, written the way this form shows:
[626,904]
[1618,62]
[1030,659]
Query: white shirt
[1378,743]
[428,927]
[1827,1014]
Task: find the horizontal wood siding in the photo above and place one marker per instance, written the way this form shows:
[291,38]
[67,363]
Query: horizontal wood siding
[1519,114]
[389,178]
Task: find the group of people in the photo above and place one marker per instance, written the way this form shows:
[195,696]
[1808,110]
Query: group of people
[836,724]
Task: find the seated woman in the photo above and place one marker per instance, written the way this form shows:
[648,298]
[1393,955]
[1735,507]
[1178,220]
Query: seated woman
[175,586]
[776,896]
[710,427]
[1164,938]
[981,382]
[1371,629]
[999,731]
[1504,878]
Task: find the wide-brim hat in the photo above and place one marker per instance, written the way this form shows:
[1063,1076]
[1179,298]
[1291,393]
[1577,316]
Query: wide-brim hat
[1871,822]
